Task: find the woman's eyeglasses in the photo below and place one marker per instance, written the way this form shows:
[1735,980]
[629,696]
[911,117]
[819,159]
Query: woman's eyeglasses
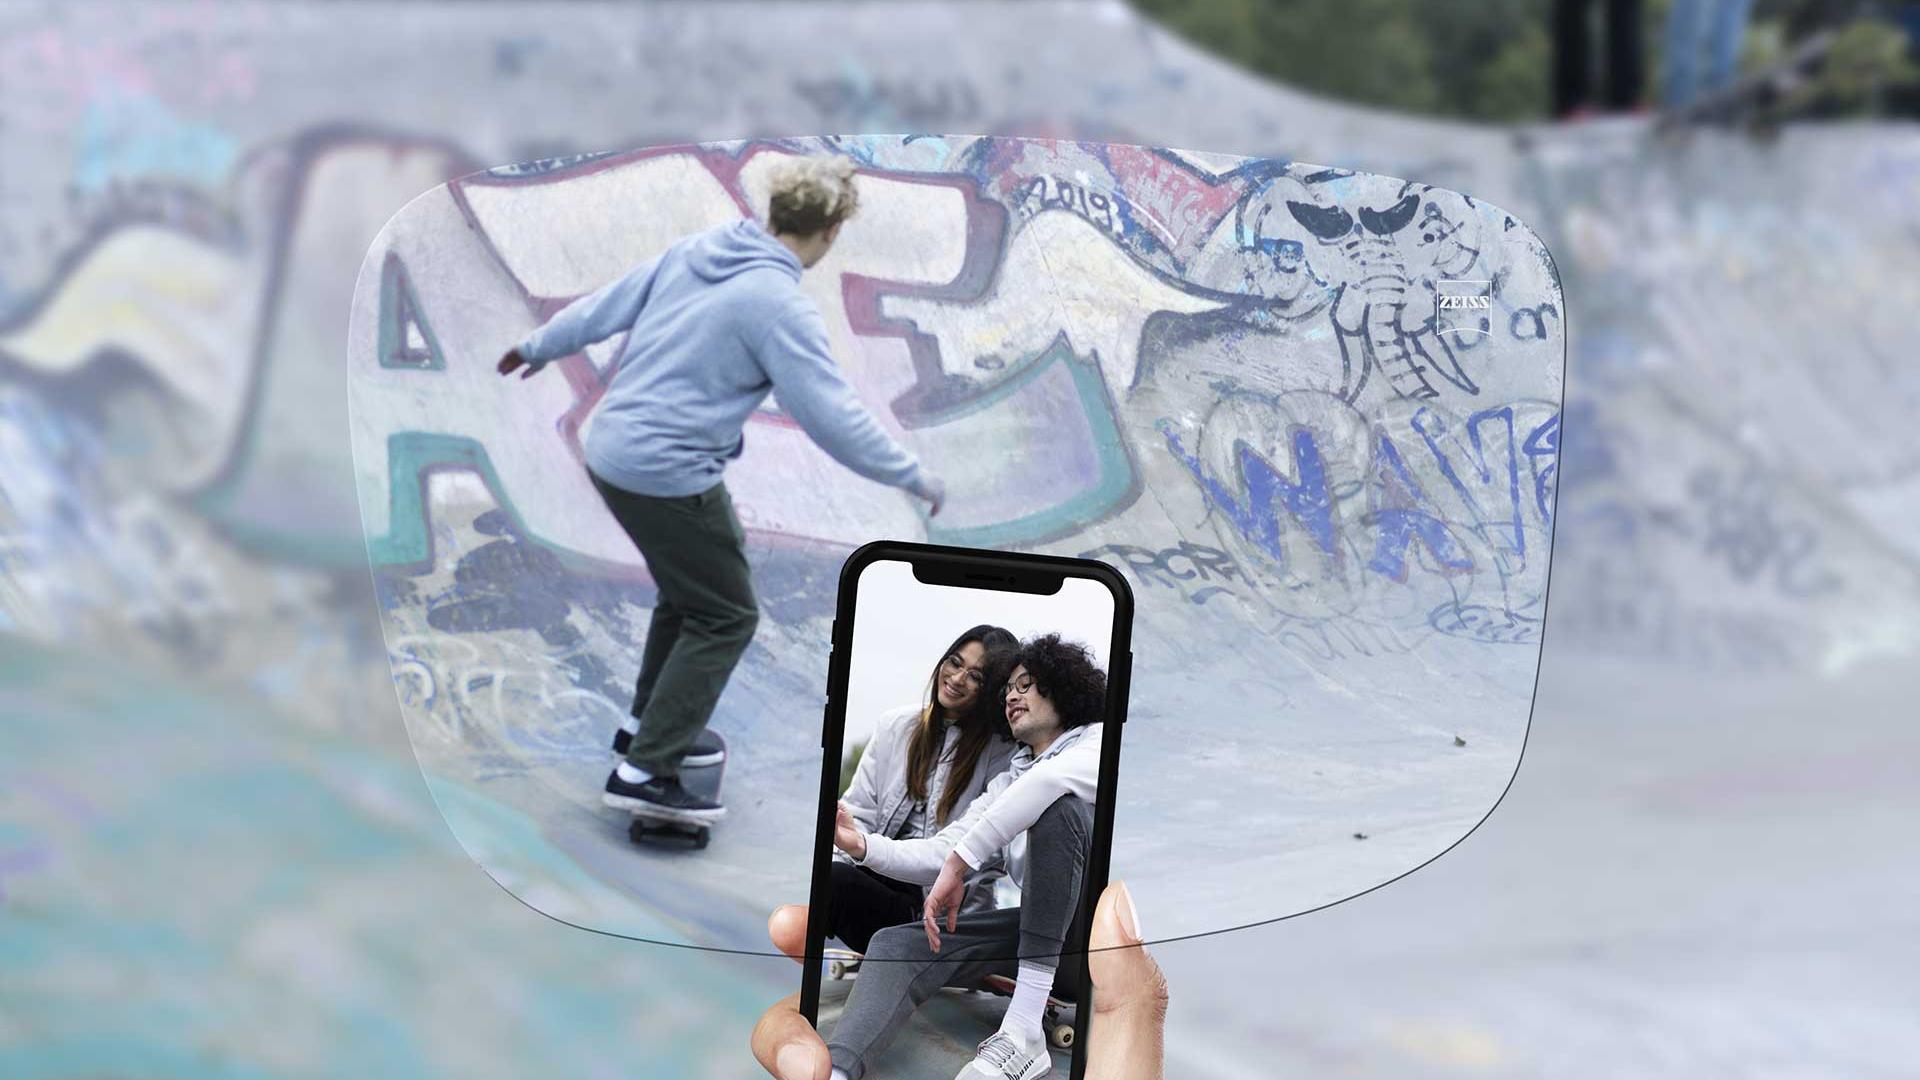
[975,677]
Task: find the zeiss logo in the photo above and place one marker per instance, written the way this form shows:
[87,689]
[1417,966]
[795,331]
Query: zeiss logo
[1462,307]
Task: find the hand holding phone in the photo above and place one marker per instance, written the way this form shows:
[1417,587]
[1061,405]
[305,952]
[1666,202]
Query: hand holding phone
[1127,1035]
[972,740]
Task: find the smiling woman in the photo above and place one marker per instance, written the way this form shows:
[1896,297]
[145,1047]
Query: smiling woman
[925,765]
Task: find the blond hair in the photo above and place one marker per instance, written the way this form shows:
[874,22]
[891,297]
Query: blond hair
[811,195]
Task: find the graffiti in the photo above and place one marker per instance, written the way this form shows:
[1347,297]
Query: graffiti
[511,704]
[1335,640]
[406,338]
[1188,567]
[1741,529]
[148,307]
[1382,259]
[1105,212]
[1056,274]
[1174,199]
[1328,505]
[1162,209]
[1030,340]
[1630,611]
[1481,623]
[529,677]
[1530,323]
[65,77]
[944,412]
[126,136]
[224,325]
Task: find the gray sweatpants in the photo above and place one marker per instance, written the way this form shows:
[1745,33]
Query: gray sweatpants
[901,971]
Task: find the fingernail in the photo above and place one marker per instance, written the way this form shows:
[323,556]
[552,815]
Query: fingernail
[1129,920]
[794,1063]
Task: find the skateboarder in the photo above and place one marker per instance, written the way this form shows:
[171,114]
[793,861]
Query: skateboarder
[1040,815]
[923,768]
[712,326]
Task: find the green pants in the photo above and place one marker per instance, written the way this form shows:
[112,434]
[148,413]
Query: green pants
[703,618]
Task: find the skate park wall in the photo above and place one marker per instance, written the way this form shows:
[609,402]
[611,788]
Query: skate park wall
[1704,838]
[1232,378]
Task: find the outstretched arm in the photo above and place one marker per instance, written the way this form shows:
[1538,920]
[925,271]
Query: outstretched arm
[594,317]
[919,862]
[812,390]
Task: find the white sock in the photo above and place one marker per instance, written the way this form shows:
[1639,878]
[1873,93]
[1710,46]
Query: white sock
[1024,1016]
[631,726]
[632,775]
[838,1073]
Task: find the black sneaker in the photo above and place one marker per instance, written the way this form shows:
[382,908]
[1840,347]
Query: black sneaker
[663,795]
[706,748]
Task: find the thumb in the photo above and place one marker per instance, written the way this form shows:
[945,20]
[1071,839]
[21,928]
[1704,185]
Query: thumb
[1130,994]
[787,1046]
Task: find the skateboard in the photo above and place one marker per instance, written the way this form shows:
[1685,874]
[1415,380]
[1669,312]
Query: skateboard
[1058,1019]
[842,964]
[701,780]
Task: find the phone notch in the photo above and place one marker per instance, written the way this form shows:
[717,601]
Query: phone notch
[999,579]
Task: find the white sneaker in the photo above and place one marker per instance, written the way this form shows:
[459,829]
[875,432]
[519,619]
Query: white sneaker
[1003,1057]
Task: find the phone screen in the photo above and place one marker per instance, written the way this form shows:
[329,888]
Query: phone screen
[972,742]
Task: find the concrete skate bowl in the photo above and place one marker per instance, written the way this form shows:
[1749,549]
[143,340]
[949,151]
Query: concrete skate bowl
[190,192]
[1236,379]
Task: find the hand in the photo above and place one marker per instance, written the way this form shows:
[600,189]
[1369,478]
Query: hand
[944,899]
[1127,1040]
[934,490]
[513,361]
[847,835]
[783,1042]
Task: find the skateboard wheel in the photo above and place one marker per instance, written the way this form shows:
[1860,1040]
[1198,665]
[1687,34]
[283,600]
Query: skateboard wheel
[837,970]
[700,839]
[1061,1036]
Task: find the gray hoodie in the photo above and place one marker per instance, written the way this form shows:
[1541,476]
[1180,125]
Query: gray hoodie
[713,325]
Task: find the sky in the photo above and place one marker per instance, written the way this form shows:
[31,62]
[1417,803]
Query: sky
[902,627]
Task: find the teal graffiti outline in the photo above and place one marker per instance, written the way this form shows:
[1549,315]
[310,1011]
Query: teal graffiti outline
[398,301]
[1118,482]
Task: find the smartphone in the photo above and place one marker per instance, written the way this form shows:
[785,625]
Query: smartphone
[971,738]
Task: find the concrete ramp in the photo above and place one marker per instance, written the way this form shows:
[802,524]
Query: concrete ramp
[1313,414]
[1697,871]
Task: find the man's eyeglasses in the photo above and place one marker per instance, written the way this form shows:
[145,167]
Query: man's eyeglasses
[955,666]
[1021,685]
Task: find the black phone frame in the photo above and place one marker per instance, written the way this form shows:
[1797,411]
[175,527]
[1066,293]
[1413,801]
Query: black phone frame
[998,571]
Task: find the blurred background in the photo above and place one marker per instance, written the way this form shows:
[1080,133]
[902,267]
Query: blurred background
[217,858]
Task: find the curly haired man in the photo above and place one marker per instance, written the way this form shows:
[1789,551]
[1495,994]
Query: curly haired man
[1039,816]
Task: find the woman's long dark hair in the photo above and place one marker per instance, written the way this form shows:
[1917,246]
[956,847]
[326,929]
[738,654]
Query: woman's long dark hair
[981,721]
